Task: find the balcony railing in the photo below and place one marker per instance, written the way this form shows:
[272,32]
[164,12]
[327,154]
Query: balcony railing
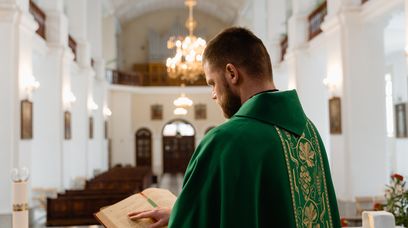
[154,75]
[284,47]
[316,19]
[73,45]
[39,17]
[124,78]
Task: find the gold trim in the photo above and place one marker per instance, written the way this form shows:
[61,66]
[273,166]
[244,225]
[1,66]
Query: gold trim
[20,207]
[290,175]
[323,171]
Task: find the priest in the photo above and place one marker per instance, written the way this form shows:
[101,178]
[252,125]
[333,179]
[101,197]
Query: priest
[266,166]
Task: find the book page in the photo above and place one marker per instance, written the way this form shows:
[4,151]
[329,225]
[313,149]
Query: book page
[117,214]
[162,197]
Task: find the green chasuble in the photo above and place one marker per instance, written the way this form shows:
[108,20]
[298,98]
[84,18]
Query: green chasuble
[265,167]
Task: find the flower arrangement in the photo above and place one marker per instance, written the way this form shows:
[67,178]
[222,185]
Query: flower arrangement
[397,200]
[344,222]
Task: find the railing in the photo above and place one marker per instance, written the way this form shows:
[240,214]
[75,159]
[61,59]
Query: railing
[124,78]
[146,79]
[284,47]
[39,17]
[73,45]
[316,19]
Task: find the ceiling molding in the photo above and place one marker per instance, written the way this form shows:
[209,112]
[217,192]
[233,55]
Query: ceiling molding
[128,10]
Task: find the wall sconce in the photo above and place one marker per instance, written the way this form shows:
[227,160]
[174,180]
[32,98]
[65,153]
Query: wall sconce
[92,106]
[107,112]
[331,84]
[30,84]
[69,99]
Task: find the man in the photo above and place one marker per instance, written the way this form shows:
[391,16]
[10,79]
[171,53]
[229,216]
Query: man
[266,166]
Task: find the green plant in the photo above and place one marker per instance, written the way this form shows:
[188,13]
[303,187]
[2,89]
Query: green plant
[397,200]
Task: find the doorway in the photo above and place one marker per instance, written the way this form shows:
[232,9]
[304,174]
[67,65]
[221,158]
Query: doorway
[143,147]
[178,146]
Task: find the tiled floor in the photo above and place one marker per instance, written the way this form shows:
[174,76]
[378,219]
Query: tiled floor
[167,181]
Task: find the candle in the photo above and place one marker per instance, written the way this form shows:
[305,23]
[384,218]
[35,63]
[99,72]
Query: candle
[20,199]
[20,205]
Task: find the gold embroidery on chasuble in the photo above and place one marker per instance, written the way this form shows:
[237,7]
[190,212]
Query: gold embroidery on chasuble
[307,179]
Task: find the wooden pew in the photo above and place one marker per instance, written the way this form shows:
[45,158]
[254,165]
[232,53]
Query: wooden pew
[76,207]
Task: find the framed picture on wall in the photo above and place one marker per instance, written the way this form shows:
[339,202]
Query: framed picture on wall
[67,125]
[335,115]
[156,112]
[26,119]
[401,120]
[200,111]
[91,127]
[106,129]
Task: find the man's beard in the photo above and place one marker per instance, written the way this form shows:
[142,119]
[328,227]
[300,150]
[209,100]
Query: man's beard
[231,103]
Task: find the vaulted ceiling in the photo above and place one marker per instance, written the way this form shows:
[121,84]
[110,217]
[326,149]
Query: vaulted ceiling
[125,10]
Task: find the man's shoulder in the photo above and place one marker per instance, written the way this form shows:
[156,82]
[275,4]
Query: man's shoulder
[239,130]
[234,126]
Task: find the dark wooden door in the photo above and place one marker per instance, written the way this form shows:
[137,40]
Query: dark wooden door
[144,148]
[177,151]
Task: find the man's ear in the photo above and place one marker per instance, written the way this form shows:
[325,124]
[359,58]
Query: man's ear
[232,73]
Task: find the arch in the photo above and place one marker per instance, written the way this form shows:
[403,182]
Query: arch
[143,150]
[178,145]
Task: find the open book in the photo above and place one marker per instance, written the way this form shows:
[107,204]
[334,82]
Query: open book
[116,215]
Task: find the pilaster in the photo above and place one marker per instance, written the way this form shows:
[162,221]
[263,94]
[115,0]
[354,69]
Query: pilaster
[355,73]
[18,28]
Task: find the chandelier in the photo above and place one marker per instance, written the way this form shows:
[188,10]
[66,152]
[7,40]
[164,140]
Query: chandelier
[182,103]
[187,63]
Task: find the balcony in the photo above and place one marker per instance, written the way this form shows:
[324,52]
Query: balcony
[316,19]
[149,74]
[39,17]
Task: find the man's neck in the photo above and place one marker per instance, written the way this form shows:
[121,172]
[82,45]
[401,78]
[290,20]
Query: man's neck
[253,89]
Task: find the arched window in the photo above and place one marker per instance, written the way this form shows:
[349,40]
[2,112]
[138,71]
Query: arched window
[178,145]
[144,147]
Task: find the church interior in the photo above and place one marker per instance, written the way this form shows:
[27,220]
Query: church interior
[96,103]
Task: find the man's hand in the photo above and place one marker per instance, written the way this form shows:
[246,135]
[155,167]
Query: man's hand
[159,215]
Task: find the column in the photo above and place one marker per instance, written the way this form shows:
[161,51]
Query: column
[336,6]
[260,20]
[276,28]
[359,152]
[297,38]
[56,100]
[17,28]
[77,11]
[77,16]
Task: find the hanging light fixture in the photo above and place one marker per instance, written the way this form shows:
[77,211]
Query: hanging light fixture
[180,111]
[187,63]
[182,103]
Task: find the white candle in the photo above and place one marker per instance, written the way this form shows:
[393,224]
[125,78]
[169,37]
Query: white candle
[20,194]
[20,204]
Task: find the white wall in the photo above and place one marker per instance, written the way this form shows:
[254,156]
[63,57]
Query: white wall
[47,125]
[134,36]
[132,105]
[313,94]
[109,41]
[396,63]
[120,127]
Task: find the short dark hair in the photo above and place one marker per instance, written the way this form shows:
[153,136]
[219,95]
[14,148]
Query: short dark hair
[240,47]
